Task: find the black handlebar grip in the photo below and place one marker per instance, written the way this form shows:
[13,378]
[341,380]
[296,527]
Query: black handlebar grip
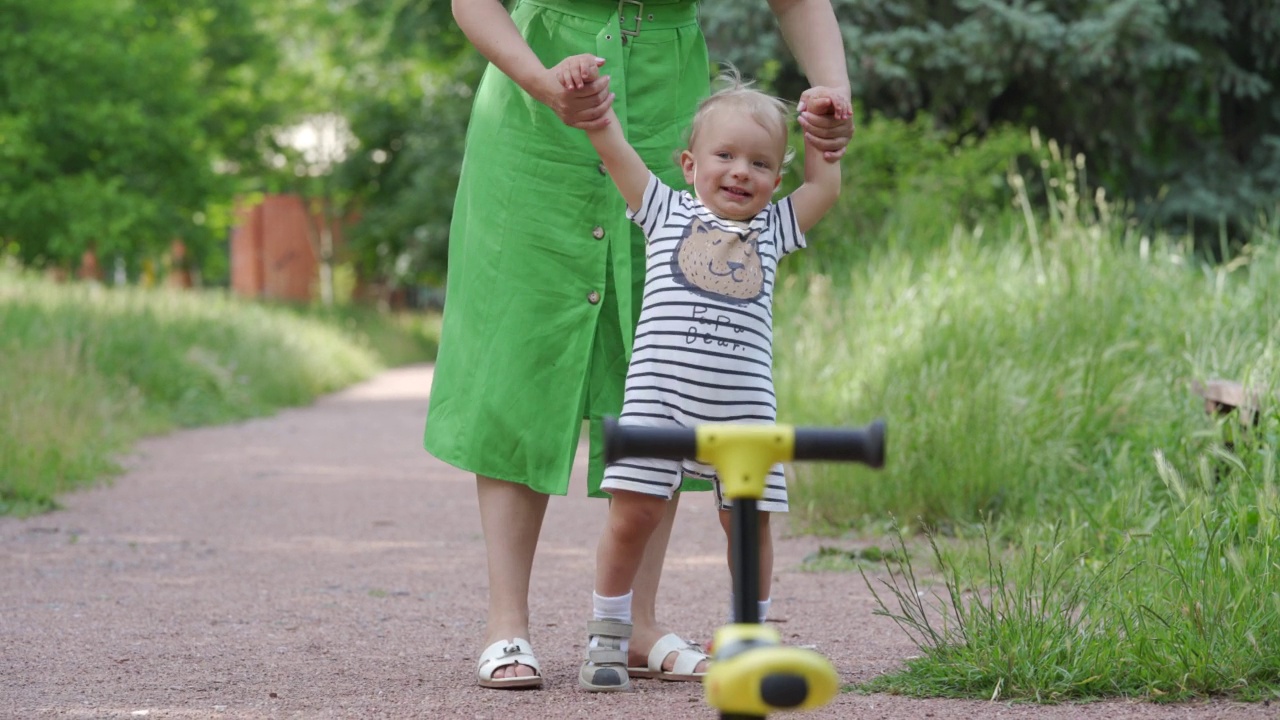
[864,445]
[672,443]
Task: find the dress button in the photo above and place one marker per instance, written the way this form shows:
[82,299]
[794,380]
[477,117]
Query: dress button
[597,232]
[593,297]
[601,169]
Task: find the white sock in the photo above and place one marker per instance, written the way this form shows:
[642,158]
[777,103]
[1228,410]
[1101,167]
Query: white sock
[762,608]
[611,608]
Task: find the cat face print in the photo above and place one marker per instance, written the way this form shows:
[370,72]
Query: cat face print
[719,262]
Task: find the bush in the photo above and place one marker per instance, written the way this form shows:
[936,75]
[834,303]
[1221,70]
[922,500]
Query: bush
[908,185]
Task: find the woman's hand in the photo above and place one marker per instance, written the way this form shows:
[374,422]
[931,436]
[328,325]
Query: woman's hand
[576,91]
[826,115]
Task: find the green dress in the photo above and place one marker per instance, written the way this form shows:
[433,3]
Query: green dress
[545,271]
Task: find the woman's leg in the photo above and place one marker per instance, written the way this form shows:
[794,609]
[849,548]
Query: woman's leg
[511,520]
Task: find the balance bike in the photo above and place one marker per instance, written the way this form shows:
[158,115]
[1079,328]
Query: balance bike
[752,673]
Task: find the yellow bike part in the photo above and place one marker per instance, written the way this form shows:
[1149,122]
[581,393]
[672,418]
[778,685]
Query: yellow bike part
[753,674]
[743,454]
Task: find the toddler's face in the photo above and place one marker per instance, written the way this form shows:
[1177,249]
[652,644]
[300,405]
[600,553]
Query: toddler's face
[736,164]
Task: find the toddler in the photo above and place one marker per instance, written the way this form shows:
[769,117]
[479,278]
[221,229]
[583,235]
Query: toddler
[703,346]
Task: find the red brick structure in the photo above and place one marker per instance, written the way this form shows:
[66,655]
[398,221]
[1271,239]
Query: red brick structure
[272,256]
[89,268]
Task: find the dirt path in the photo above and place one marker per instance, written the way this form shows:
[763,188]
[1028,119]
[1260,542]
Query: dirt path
[319,564]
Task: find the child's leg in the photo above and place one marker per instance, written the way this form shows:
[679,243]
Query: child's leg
[644,612]
[633,517]
[647,632]
[766,560]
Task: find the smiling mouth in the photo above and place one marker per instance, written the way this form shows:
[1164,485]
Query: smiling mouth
[731,273]
[737,192]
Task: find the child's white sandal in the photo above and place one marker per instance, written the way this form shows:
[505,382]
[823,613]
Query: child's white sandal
[606,667]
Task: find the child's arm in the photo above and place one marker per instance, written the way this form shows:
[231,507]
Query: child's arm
[626,168]
[821,185]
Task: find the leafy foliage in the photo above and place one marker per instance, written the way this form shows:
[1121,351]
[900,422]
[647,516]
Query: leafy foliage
[127,123]
[400,75]
[1175,104]
[111,117]
[99,111]
[411,118]
[410,176]
[908,185]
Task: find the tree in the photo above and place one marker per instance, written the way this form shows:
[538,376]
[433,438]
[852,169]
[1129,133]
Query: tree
[102,131]
[400,74]
[412,124]
[113,115]
[410,171]
[1175,104]
[318,144]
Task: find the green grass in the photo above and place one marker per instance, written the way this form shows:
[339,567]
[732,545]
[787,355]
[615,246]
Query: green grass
[1091,532]
[1188,609]
[87,370]
[1018,384]
[829,557]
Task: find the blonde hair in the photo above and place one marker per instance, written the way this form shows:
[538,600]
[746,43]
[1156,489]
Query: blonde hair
[771,112]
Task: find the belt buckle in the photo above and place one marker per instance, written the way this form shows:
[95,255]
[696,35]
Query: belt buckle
[622,18]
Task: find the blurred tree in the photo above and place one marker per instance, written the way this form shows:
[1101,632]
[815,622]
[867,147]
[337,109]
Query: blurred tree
[412,125]
[113,115]
[410,172]
[101,135]
[399,74]
[1175,103]
[245,92]
[238,70]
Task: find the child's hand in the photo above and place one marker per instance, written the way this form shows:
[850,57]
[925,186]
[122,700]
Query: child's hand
[576,91]
[577,71]
[826,114]
[822,100]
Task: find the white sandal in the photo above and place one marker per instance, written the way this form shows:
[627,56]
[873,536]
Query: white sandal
[688,657]
[505,653]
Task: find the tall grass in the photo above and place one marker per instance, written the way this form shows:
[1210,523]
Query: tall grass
[87,370]
[1023,376]
[1187,608]
[1038,392]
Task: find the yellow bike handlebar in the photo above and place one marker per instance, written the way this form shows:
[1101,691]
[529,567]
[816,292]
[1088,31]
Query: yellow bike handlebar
[753,673]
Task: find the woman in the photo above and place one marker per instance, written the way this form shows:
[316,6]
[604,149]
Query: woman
[545,270]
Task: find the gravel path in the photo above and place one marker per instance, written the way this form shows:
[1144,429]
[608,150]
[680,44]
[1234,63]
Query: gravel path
[319,564]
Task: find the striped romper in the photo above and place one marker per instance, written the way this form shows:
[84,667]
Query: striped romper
[704,343]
